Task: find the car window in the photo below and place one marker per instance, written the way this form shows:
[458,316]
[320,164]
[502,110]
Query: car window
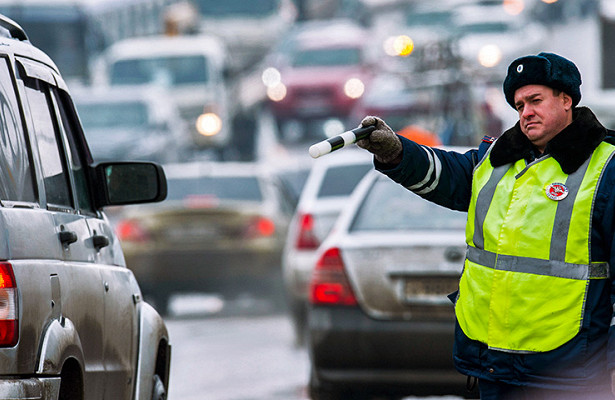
[341,180]
[212,8]
[69,131]
[229,188]
[16,181]
[166,71]
[55,177]
[327,57]
[120,114]
[390,206]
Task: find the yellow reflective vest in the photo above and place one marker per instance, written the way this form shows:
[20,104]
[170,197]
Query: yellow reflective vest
[528,261]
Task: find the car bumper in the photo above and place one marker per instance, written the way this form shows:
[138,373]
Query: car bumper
[30,388]
[347,346]
[199,269]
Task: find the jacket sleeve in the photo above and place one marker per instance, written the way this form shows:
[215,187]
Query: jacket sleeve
[604,232]
[443,177]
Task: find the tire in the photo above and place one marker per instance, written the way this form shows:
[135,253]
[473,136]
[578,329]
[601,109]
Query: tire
[159,392]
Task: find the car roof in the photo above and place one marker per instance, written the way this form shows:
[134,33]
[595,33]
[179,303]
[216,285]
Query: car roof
[14,39]
[161,45]
[213,168]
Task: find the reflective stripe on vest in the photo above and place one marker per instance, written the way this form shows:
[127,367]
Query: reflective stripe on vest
[528,262]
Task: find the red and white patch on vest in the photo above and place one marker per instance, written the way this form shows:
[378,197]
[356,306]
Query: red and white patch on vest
[556,191]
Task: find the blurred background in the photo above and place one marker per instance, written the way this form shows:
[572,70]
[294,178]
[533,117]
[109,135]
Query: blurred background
[229,94]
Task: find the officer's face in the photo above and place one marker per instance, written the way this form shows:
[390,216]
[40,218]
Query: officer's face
[542,113]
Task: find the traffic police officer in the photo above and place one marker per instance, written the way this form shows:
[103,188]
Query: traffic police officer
[534,305]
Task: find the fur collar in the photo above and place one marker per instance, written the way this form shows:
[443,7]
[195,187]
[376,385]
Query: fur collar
[570,148]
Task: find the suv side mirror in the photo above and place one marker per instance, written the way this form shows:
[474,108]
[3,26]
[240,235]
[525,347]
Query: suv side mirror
[122,183]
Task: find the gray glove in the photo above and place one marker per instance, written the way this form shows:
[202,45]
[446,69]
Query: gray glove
[383,143]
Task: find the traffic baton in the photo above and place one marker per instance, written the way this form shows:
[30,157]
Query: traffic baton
[341,140]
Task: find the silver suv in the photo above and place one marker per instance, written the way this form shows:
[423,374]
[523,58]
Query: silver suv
[73,324]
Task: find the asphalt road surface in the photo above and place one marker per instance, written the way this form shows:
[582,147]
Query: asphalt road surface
[239,351]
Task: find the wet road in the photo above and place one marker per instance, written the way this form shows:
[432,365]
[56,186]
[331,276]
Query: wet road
[241,351]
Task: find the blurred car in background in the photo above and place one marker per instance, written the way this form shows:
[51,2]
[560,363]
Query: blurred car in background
[324,195]
[379,319]
[415,36]
[429,112]
[248,28]
[322,74]
[221,230]
[490,36]
[131,124]
[190,68]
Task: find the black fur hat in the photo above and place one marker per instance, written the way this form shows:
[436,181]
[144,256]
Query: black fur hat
[543,69]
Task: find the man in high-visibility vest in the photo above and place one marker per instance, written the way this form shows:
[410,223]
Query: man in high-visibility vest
[535,300]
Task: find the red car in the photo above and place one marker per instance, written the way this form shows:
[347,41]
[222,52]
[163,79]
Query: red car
[323,75]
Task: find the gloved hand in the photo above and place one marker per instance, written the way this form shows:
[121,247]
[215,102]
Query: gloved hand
[383,143]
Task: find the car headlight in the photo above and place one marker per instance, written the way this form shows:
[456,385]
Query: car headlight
[398,46]
[354,88]
[489,55]
[277,92]
[271,77]
[208,124]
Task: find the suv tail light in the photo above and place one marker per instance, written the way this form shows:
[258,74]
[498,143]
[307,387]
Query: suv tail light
[306,240]
[330,285]
[131,231]
[9,321]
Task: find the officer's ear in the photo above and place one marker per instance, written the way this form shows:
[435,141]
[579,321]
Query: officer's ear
[567,100]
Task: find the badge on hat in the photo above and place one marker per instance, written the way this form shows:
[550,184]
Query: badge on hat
[556,191]
[519,68]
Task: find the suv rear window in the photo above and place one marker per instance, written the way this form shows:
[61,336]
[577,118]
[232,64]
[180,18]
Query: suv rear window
[341,180]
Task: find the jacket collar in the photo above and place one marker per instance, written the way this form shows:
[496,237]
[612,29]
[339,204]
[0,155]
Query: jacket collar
[570,148]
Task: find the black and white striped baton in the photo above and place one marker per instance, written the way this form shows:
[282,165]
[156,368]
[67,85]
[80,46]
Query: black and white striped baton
[341,140]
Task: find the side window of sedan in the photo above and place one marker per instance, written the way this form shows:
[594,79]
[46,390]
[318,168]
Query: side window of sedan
[16,179]
[55,176]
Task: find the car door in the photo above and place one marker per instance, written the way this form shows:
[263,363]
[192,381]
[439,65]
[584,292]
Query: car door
[121,292]
[76,282]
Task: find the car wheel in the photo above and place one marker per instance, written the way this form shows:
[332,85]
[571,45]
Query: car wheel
[158,390]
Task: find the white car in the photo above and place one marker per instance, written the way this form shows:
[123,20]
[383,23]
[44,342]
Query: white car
[325,193]
[190,68]
[379,320]
[489,38]
[131,123]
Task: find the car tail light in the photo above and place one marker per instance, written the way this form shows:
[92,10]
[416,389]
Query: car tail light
[306,240]
[260,227]
[330,285]
[9,321]
[130,230]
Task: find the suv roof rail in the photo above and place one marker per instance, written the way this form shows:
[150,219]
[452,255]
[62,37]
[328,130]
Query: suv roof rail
[11,29]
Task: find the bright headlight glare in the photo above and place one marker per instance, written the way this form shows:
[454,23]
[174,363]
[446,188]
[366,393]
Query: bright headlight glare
[354,88]
[489,56]
[277,92]
[271,77]
[208,124]
[403,45]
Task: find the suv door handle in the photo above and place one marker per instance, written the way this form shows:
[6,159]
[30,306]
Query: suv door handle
[100,241]
[67,237]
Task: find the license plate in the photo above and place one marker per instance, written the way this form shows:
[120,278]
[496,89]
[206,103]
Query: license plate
[429,289]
